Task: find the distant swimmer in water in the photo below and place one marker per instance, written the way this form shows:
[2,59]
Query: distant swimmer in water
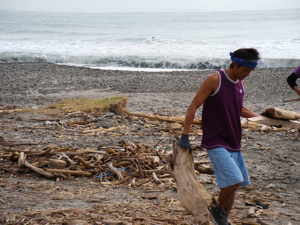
[292,80]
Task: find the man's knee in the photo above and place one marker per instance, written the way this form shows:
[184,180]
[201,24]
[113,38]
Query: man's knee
[232,187]
[236,186]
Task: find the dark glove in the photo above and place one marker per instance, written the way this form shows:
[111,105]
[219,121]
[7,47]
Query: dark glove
[184,142]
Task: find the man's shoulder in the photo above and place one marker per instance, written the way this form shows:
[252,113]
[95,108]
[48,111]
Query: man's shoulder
[214,77]
[212,81]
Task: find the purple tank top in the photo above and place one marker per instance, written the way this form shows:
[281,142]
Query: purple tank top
[297,72]
[221,113]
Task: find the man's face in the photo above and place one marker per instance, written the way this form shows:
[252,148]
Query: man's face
[240,73]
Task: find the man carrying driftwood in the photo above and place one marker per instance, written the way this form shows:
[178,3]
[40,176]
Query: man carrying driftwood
[222,97]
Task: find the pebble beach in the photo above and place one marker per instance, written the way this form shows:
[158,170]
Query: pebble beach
[164,92]
[271,154]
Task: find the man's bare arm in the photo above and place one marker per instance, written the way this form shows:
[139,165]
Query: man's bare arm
[297,90]
[209,85]
[247,113]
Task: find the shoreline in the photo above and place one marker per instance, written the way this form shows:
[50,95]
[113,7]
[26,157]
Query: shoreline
[39,84]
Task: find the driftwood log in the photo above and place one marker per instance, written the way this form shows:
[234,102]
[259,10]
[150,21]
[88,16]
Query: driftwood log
[71,172]
[191,194]
[11,110]
[166,118]
[275,122]
[278,113]
[23,162]
[291,100]
[279,117]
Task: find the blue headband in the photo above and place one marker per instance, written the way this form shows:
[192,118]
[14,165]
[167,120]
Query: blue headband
[244,62]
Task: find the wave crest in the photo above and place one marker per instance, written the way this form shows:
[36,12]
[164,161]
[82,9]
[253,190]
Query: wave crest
[140,63]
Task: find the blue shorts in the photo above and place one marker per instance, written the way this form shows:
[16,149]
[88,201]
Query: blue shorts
[229,167]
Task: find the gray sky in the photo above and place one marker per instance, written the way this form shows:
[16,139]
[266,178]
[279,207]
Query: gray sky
[145,5]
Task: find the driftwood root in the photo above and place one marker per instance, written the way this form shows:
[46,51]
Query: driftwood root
[193,197]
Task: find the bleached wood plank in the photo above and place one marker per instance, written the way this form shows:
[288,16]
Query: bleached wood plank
[276,122]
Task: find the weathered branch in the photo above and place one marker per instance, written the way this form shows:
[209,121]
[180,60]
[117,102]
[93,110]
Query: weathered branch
[278,113]
[156,178]
[115,170]
[166,118]
[62,154]
[275,122]
[33,168]
[291,100]
[72,172]
[191,193]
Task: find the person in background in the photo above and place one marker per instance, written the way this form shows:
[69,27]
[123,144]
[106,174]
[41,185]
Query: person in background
[292,80]
[221,95]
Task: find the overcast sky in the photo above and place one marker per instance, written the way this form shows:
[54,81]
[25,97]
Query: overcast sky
[145,5]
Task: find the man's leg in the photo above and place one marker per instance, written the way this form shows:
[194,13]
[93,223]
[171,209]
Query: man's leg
[230,173]
[297,90]
[226,197]
[221,211]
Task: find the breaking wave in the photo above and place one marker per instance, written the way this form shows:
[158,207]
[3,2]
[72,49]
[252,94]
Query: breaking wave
[138,62]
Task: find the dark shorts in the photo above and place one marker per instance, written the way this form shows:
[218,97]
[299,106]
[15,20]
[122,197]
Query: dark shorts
[291,80]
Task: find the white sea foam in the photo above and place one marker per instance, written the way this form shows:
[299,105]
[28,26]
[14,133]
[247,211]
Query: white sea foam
[198,40]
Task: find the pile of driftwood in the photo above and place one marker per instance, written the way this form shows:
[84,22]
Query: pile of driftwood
[130,163]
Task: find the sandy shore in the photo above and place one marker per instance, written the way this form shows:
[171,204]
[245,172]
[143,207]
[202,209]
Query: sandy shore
[37,84]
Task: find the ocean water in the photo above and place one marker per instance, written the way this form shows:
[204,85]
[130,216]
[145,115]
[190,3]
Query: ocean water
[149,40]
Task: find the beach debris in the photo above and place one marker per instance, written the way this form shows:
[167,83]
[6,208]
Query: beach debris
[57,164]
[119,160]
[3,142]
[291,100]
[277,117]
[276,122]
[115,165]
[35,169]
[8,218]
[191,193]
[278,113]
[298,136]
[165,118]
[127,163]
[10,109]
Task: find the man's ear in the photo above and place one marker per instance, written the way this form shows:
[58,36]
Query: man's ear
[235,65]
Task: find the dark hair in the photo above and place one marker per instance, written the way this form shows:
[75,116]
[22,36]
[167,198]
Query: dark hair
[246,53]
